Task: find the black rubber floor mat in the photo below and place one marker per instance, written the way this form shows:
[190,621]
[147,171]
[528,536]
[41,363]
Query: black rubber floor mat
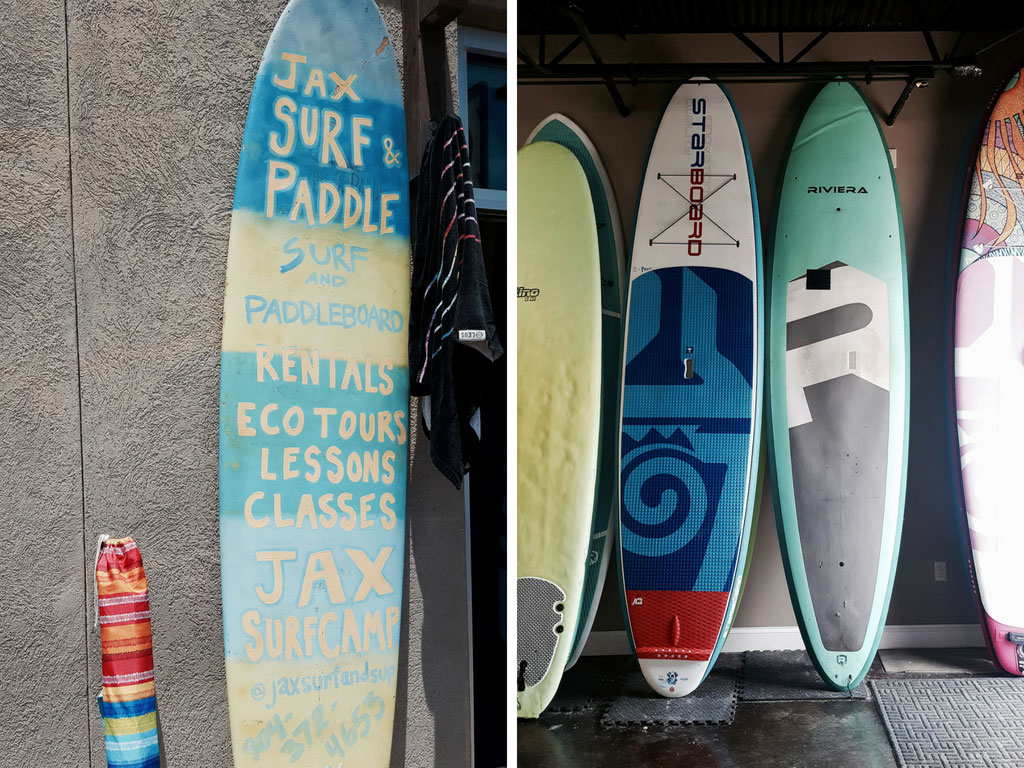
[584,686]
[713,703]
[787,676]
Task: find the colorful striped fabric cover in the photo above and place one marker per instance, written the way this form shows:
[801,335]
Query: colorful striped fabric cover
[128,702]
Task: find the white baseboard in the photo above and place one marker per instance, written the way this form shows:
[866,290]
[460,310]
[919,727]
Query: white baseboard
[615,643]
[763,639]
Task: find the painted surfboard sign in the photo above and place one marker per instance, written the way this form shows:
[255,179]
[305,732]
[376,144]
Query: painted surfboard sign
[314,396]
[558,374]
[989,371]
[691,390]
[560,129]
[839,380]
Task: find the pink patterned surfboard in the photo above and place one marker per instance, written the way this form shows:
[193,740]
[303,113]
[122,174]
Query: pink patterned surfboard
[989,373]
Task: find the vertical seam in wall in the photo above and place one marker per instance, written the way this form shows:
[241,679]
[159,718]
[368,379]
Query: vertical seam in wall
[78,365]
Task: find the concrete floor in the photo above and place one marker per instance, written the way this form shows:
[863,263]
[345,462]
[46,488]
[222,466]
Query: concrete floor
[797,734]
[836,734]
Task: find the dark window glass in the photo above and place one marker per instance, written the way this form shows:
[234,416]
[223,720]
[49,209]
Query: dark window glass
[487,96]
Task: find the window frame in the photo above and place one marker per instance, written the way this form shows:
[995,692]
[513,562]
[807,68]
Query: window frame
[485,43]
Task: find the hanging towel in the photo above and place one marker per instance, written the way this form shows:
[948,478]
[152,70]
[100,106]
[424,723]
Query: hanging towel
[451,310]
[128,701]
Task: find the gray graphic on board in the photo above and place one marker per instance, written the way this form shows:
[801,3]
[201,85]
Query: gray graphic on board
[540,605]
[839,479]
[825,325]
[837,363]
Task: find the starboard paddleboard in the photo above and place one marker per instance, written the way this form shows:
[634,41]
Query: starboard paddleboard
[558,373]
[560,129]
[314,396]
[989,370]
[691,390]
[839,380]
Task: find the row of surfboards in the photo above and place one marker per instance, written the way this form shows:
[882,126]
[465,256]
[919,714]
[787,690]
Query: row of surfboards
[640,386]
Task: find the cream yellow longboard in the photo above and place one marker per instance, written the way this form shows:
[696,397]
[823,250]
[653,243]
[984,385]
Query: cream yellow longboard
[314,396]
[560,129]
[558,410]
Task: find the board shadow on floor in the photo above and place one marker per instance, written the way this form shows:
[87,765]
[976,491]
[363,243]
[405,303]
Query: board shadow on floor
[949,662]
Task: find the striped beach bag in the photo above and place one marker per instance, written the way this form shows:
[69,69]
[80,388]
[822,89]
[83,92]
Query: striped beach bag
[128,700]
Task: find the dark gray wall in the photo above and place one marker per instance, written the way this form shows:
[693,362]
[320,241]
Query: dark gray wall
[133,137]
[930,136]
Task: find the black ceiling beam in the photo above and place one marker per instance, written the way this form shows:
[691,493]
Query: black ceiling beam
[566,51]
[1000,41]
[955,47]
[724,80]
[921,19]
[754,47]
[932,50]
[640,72]
[527,59]
[588,41]
[755,30]
[915,74]
[693,26]
[823,34]
[639,17]
[807,48]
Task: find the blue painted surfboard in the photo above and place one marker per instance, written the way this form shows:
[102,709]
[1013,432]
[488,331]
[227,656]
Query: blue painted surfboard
[314,396]
[692,390]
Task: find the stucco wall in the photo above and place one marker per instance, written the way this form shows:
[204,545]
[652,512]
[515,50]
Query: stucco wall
[930,136]
[150,118]
[42,631]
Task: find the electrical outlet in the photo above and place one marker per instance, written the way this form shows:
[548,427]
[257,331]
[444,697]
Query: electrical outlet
[940,570]
[892,154]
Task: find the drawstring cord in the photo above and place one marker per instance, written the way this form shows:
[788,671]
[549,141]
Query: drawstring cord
[95,581]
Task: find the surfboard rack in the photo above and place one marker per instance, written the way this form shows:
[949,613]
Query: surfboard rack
[915,74]
[561,18]
[573,13]
[918,81]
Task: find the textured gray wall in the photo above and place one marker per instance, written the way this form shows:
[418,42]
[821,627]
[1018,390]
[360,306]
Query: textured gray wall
[43,677]
[158,95]
[930,137]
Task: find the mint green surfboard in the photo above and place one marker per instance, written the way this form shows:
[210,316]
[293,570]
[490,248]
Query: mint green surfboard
[839,380]
[558,371]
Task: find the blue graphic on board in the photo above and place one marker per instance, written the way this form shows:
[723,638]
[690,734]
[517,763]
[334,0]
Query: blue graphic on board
[686,440]
[337,120]
[331,480]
